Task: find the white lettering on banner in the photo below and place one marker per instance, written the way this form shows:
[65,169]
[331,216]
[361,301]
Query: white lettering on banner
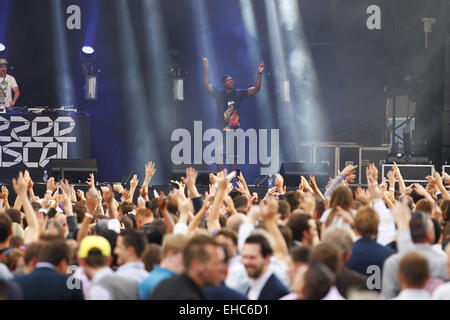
[45,138]
[4,125]
[73,22]
[374,21]
[214,151]
[16,130]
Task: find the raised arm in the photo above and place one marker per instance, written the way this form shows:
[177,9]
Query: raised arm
[5,194]
[269,214]
[257,86]
[91,199]
[401,183]
[20,187]
[199,216]
[149,173]
[162,206]
[214,214]
[313,183]
[206,83]
[440,185]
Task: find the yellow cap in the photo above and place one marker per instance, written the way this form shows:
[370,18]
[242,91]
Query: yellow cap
[91,242]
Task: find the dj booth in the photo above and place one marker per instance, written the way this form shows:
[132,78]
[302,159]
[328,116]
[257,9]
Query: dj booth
[29,138]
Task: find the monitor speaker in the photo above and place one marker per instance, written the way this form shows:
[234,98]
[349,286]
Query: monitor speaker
[75,170]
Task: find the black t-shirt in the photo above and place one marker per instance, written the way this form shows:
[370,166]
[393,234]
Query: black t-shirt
[224,100]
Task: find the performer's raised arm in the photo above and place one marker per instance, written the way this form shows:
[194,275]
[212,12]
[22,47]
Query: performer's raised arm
[257,86]
[206,83]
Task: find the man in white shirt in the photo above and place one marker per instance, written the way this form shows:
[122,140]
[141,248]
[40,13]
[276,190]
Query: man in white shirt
[129,248]
[413,275]
[8,85]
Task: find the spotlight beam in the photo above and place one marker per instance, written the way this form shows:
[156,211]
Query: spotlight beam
[142,146]
[264,107]
[303,78]
[285,111]
[65,86]
[205,48]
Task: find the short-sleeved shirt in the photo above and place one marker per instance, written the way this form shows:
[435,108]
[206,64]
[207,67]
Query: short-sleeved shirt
[7,83]
[224,100]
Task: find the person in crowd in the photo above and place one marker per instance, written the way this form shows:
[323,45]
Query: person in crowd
[256,255]
[129,247]
[203,261]
[48,281]
[171,264]
[94,257]
[413,274]
[347,280]
[266,248]
[367,252]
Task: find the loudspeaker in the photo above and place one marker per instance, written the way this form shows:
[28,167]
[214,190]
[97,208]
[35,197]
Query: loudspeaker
[292,172]
[179,170]
[75,170]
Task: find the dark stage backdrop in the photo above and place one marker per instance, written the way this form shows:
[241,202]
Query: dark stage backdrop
[357,68]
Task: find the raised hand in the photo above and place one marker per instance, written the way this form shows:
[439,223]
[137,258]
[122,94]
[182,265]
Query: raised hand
[108,194]
[279,183]
[306,185]
[207,200]
[446,177]
[51,184]
[5,192]
[20,185]
[91,200]
[372,174]
[261,67]
[222,180]
[149,171]
[205,62]
[190,180]
[118,188]
[134,182]
[191,177]
[348,170]
[391,177]
[80,194]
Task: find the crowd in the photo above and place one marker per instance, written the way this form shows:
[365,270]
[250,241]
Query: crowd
[388,241]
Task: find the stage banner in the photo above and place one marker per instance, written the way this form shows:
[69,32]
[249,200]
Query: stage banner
[28,141]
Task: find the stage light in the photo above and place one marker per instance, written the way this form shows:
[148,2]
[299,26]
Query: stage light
[2,47]
[399,155]
[90,72]
[87,50]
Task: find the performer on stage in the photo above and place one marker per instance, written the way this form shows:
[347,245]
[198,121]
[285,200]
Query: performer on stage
[7,85]
[228,101]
